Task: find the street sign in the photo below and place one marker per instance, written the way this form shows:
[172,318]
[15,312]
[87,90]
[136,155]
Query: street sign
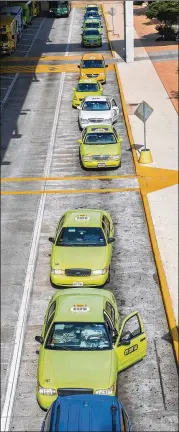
[112,11]
[143,111]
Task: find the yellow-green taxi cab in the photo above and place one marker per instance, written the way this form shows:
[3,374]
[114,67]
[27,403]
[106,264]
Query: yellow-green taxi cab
[92,24]
[84,346]
[100,147]
[91,37]
[82,249]
[93,66]
[86,87]
[93,7]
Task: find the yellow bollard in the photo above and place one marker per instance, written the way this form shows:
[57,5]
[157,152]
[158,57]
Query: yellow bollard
[145,157]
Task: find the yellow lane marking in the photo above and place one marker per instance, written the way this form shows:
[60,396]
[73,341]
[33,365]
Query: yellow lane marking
[69,191]
[43,68]
[26,179]
[171,177]
[47,58]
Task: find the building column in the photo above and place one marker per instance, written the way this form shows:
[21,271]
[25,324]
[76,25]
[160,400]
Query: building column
[129,30]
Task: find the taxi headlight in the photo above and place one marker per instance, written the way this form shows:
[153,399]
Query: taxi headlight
[100,272]
[46,391]
[57,271]
[101,73]
[115,157]
[106,392]
[87,158]
[108,120]
[84,121]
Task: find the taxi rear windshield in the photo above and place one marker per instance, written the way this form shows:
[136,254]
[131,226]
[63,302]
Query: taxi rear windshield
[92,32]
[84,336]
[92,8]
[88,87]
[95,106]
[88,64]
[81,237]
[100,138]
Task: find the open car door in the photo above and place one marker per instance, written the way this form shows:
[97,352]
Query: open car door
[131,344]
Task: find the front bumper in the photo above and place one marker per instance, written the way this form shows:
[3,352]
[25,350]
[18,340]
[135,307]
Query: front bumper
[93,164]
[90,43]
[69,281]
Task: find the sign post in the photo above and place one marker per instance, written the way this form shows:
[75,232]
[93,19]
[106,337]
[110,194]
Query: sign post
[112,12]
[143,112]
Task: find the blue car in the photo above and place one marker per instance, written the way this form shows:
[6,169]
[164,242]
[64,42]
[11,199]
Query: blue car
[86,413]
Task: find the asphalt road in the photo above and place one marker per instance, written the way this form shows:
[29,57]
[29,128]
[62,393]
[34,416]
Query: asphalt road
[39,139]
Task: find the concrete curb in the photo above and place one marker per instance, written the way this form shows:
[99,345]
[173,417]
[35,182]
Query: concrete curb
[160,270]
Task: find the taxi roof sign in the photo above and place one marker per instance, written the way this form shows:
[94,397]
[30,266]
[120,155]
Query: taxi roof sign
[80,308]
[82,217]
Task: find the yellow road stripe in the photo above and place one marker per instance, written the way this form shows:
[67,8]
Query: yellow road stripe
[160,269]
[69,191]
[26,179]
[43,68]
[47,58]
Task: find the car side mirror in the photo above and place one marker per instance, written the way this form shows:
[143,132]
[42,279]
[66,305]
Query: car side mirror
[111,240]
[73,88]
[51,239]
[120,140]
[79,141]
[39,339]
[79,107]
[101,26]
[78,66]
[124,341]
[106,66]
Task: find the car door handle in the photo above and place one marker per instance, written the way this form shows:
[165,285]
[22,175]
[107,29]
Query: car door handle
[144,338]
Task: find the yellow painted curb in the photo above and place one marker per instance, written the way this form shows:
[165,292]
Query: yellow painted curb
[161,273]
[145,157]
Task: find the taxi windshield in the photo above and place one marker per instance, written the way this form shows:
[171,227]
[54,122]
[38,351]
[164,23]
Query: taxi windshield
[88,64]
[92,8]
[100,138]
[91,32]
[82,336]
[92,25]
[87,87]
[87,236]
[92,14]
[95,106]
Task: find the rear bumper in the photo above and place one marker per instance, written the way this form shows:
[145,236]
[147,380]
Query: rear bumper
[69,281]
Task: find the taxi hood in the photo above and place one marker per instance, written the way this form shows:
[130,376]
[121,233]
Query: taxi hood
[76,369]
[102,149]
[80,257]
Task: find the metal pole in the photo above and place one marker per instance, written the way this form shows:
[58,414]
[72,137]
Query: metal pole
[144,126]
[113,24]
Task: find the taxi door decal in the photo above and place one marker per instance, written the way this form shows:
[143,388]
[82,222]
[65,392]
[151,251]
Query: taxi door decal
[131,344]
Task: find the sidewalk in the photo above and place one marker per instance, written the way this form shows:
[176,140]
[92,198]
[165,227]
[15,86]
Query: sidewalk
[140,81]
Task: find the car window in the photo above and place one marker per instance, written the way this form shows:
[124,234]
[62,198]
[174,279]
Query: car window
[59,227]
[95,106]
[74,336]
[47,420]
[108,322]
[91,32]
[131,328]
[49,322]
[100,138]
[111,312]
[87,87]
[107,223]
[113,103]
[92,25]
[88,64]
[51,309]
[115,132]
[87,236]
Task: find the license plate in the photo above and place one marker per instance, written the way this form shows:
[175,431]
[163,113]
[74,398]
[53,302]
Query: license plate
[101,165]
[77,284]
